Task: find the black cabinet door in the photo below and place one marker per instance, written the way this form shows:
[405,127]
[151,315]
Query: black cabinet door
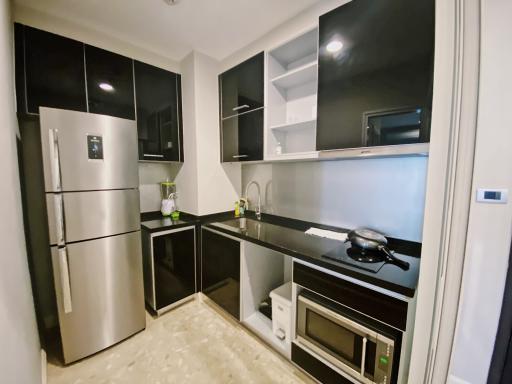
[54,69]
[174,267]
[241,87]
[221,271]
[158,108]
[242,137]
[375,74]
[109,83]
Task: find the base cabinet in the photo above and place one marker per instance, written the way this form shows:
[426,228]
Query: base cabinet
[169,267]
[220,275]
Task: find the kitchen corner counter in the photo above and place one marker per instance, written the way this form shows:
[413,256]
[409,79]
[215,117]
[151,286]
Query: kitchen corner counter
[155,222]
[274,233]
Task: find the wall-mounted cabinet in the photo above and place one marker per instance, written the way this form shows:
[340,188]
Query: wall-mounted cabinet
[159,124]
[242,110]
[241,87]
[54,71]
[50,71]
[375,74]
[292,78]
[109,83]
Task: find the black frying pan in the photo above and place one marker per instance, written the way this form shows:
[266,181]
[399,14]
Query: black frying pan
[371,240]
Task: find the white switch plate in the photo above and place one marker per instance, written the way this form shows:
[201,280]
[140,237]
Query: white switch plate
[493,196]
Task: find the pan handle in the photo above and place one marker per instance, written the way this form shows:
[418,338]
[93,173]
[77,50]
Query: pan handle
[393,259]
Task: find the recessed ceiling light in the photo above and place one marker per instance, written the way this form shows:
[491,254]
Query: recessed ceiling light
[171,2]
[106,87]
[334,46]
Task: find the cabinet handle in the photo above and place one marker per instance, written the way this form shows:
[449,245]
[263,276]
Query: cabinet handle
[149,155]
[59,218]
[240,107]
[55,159]
[64,280]
[363,357]
[239,156]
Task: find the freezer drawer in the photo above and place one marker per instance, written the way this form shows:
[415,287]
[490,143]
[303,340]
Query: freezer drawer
[84,151]
[89,215]
[99,289]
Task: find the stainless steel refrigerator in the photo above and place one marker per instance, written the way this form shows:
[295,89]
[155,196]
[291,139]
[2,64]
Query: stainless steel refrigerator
[90,167]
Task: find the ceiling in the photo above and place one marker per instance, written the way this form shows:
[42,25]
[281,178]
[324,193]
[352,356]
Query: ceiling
[214,27]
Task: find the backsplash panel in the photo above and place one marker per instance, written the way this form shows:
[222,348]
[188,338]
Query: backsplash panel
[387,195]
[150,177]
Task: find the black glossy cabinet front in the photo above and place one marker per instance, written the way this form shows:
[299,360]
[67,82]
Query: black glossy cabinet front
[377,88]
[242,137]
[158,94]
[241,87]
[109,83]
[221,271]
[174,267]
[53,68]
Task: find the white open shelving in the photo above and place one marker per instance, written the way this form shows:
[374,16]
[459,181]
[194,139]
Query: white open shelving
[291,99]
[297,76]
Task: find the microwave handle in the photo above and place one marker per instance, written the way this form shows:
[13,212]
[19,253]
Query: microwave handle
[363,356]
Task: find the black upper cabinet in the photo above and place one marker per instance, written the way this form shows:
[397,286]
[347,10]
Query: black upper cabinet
[54,69]
[375,88]
[221,271]
[109,83]
[241,111]
[242,137]
[241,87]
[158,94]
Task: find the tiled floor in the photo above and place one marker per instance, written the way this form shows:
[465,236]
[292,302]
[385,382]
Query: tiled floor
[191,344]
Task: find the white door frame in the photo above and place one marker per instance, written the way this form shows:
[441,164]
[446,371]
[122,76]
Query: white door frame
[449,181]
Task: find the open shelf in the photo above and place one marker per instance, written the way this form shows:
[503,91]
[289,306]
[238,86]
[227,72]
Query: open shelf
[262,271]
[311,124]
[301,75]
[262,326]
[292,156]
[291,99]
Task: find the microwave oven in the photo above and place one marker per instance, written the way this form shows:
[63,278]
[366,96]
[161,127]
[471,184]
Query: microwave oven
[331,333]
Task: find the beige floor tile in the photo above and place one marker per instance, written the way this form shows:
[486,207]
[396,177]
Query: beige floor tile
[191,344]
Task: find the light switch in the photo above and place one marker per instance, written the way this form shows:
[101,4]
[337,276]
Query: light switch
[493,196]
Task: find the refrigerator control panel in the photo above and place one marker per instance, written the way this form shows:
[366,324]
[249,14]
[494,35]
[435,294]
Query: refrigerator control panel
[95,147]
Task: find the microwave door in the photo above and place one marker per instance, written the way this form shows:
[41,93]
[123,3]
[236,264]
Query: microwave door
[84,151]
[344,343]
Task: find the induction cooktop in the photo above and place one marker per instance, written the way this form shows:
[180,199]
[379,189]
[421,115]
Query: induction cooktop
[371,261]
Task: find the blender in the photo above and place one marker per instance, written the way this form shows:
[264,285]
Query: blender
[168,191]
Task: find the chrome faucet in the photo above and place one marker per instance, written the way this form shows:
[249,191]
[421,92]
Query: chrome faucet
[258,208]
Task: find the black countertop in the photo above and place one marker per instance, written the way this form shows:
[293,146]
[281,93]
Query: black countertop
[155,222]
[294,242]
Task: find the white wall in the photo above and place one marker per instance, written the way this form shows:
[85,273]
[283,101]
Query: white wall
[150,177]
[219,184]
[187,179]
[303,22]
[20,361]
[387,195]
[204,185]
[490,226]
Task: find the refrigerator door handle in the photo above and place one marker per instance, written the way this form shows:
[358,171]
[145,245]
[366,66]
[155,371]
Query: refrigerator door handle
[64,280]
[59,218]
[55,158]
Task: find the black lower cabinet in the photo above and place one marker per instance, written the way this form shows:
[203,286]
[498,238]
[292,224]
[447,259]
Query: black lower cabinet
[221,271]
[242,137]
[316,368]
[173,267]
